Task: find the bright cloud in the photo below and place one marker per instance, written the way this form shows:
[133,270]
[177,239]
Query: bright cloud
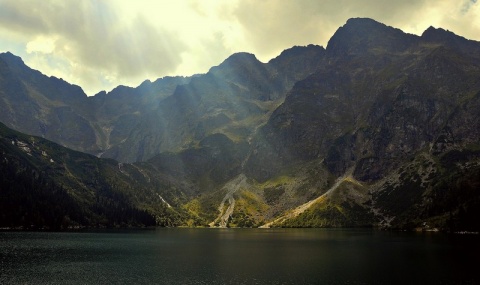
[41,44]
[101,44]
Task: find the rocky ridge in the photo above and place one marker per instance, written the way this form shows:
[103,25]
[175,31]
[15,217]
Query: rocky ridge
[394,114]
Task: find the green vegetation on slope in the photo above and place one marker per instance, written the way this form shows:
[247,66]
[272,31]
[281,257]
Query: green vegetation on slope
[46,186]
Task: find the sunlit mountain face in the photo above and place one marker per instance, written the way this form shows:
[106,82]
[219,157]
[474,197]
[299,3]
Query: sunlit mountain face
[378,129]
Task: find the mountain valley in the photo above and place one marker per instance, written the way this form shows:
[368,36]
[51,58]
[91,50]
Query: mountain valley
[379,129]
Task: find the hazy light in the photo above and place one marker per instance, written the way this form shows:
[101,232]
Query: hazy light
[101,44]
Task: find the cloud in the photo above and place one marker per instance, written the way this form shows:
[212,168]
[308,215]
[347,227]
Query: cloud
[275,25]
[41,44]
[272,25]
[91,37]
[101,44]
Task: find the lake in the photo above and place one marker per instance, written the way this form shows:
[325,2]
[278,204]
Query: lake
[239,256]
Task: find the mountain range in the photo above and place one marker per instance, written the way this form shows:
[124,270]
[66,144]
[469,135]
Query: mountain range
[379,129]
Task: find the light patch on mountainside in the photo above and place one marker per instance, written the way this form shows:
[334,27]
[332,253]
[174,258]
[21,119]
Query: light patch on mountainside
[331,194]
[225,212]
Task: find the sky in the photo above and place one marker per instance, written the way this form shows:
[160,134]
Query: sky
[100,44]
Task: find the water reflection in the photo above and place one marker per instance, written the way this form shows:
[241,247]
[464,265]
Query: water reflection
[238,256]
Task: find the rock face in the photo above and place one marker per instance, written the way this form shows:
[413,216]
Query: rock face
[388,118]
[379,98]
[170,114]
[233,98]
[382,98]
[48,107]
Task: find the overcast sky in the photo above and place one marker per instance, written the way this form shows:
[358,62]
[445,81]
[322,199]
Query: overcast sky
[101,44]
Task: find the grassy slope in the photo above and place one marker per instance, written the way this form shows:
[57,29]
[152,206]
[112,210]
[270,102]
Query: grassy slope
[100,192]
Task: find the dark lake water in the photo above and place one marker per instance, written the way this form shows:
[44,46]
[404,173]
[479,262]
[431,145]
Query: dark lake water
[239,256]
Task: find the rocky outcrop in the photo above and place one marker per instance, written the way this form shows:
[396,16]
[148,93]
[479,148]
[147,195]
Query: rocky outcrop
[396,112]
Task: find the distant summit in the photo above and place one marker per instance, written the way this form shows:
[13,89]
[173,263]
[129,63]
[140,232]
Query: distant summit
[440,35]
[12,59]
[361,35]
[451,40]
[380,129]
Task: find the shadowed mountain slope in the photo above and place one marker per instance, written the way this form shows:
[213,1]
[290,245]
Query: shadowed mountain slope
[172,112]
[381,128]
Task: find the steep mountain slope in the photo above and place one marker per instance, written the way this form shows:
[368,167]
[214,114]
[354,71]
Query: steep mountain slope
[133,124]
[49,107]
[118,112]
[385,99]
[54,109]
[233,98]
[44,185]
[380,129]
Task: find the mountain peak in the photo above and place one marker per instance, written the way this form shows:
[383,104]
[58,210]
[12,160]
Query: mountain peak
[300,50]
[10,55]
[363,21]
[359,35]
[433,33]
[241,56]
[365,25]
[440,35]
[12,60]
[237,61]
[452,40]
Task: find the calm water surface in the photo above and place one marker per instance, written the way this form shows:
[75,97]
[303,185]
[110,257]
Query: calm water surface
[239,256]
